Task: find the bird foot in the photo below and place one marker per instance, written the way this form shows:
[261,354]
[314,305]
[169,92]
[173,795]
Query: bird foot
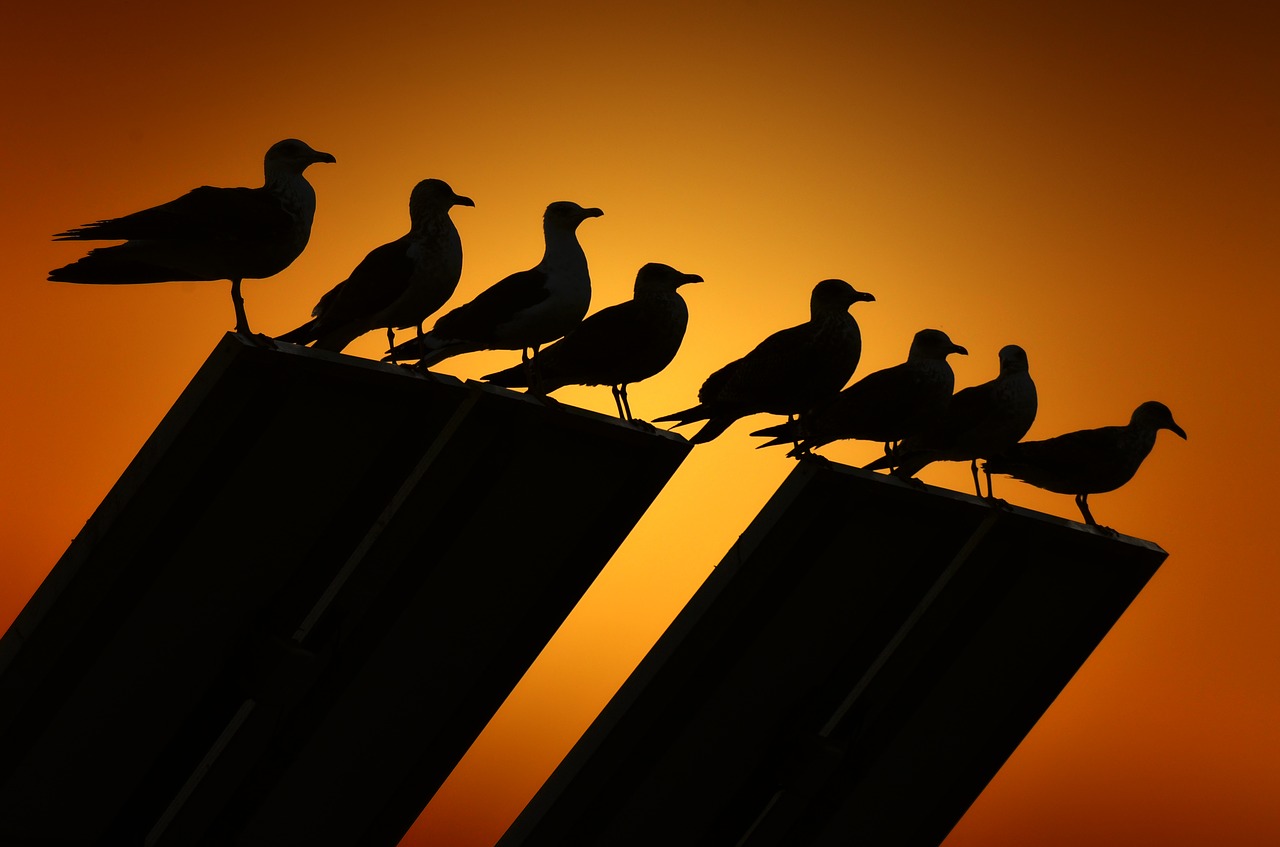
[419,369]
[813,457]
[545,399]
[257,339]
[642,425]
[1106,530]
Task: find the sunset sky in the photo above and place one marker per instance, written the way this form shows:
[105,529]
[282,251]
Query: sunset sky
[1097,182]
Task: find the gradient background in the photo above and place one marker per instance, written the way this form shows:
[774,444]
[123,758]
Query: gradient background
[1095,183]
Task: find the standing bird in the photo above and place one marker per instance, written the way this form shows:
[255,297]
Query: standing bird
[790,371]
[209,233]
[981,421]
[398,285]
[624,343]
[887,406]
[1089,461]
[522,311]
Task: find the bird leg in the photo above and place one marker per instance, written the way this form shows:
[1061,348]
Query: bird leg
[793,426]
[527,356]
[973,468]
[237,300]
[391,345]
[617,400]
[1082,500]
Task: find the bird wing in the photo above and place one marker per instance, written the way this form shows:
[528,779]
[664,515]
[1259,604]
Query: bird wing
[494,306]
[206,213]
[761,372]
[1072,463]
[375,284]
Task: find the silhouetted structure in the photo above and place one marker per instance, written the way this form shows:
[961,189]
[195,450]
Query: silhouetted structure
[855,671]
[302,602]
[208,233]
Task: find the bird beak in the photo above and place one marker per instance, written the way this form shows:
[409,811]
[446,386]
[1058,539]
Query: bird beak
[687,278]
[459,200]
[325,157]
[864,297]
[592,213]
[956,348]
[1177,430]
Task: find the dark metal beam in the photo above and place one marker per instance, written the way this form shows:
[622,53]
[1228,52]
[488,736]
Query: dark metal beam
[303,600]
[855,671]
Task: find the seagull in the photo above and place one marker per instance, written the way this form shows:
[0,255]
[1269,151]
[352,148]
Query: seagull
[398,285]
[981,421]
[619,345]
[790,371]
[209,233]
[1089,461]
[887,406]
[522,311]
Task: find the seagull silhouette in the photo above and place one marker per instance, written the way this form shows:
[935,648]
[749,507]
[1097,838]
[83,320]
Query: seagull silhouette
[209,233]
[787,373]
[1089,461]
[887,405]
[522,311]
[980,422]
[617,346]
[398,285]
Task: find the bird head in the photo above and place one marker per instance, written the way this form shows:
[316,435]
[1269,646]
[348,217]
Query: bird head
[564,214]
[656,277]
[292,156]
[1013,359]
[434,197]
[835,295]
[1154,415]
[933,344]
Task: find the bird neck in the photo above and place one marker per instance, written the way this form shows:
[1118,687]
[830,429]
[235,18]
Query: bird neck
[563,252]
[295,193]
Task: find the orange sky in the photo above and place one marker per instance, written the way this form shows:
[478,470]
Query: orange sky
[1095,184]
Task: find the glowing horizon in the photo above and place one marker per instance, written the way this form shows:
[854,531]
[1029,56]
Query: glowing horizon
[1093,183]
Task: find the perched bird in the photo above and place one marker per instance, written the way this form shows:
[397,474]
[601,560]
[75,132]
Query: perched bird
[1090,461]
[619,345]
[787,373]
[209,233]
[522,311]
[888,405]
[980,422]
[398,285]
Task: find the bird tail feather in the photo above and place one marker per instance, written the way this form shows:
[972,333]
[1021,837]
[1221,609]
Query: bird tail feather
[688,416]
[516,376]
[100,267]
[783,433]
[304,334]
[711,429]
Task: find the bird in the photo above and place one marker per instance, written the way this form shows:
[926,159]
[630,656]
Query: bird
[787,373]
[398,285]
[887,405]
[618,345]
[981,421]
[208,233]
[522,311]
[1088,461]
